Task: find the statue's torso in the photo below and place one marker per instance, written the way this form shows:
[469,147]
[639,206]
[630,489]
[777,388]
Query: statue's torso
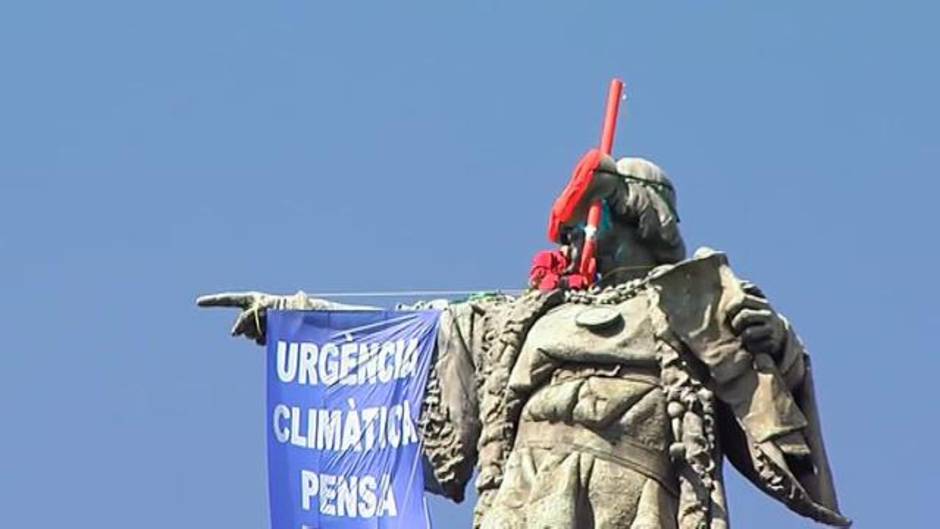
[627,338]
[605,379]
[577,435]
[594,421]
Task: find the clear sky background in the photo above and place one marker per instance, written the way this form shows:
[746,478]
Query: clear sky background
[152,151]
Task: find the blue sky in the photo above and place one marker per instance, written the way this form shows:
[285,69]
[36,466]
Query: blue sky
[153,151]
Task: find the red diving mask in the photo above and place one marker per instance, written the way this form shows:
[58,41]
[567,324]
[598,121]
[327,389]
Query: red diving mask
[566,204]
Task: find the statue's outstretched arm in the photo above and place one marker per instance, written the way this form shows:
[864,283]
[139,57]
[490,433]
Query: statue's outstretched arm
[450,424]
[250,322]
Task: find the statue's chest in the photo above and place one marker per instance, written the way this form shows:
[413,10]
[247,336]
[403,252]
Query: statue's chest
[622,333]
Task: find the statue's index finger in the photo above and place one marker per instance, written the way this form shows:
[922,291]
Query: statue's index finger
[241,300]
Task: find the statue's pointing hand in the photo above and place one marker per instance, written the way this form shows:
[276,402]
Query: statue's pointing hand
[761,329]
[251,320]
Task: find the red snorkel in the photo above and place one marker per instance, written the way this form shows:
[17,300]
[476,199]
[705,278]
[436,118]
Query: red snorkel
[588,267]
[567,203]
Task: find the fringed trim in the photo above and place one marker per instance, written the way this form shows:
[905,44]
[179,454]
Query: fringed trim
[691,409]
[442,445]
[497,414]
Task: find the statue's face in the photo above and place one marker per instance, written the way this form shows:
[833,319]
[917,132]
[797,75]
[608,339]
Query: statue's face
[619,247]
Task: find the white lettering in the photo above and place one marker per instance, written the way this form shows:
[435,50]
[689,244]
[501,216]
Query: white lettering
[368,364]
[410,359]
[346,493]
[369,418]
[367,499]
[327,494]
[394,432]
[296,438]
[309,487]
[347,363]
[286,361]
[348,496]
[409,433]
[386,372]
[387,504]
[308,363]
[352,430]
[329,366]
[281,412]
[328,433]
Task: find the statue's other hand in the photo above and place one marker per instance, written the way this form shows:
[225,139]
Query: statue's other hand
[760,327]
[251,321]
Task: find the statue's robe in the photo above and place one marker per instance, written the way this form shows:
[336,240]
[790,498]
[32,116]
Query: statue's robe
[573,427]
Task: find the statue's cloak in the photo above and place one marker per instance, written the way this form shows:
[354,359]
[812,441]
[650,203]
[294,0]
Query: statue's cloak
[769,424]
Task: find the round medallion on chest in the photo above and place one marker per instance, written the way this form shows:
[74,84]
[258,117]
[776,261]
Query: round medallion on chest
[596,318]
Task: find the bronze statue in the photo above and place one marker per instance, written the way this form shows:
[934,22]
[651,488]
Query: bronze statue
[613,406]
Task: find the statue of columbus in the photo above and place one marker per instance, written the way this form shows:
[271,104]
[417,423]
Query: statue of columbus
[609,396]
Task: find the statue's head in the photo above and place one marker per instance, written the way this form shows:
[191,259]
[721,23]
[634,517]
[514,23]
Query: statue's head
[639,226]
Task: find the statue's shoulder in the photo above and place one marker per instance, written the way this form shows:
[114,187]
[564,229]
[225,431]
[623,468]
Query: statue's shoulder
[704,260]
[706,270]
[692,289]
[506,324]
[519,314]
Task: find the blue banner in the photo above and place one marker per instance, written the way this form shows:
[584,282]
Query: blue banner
[344,398]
